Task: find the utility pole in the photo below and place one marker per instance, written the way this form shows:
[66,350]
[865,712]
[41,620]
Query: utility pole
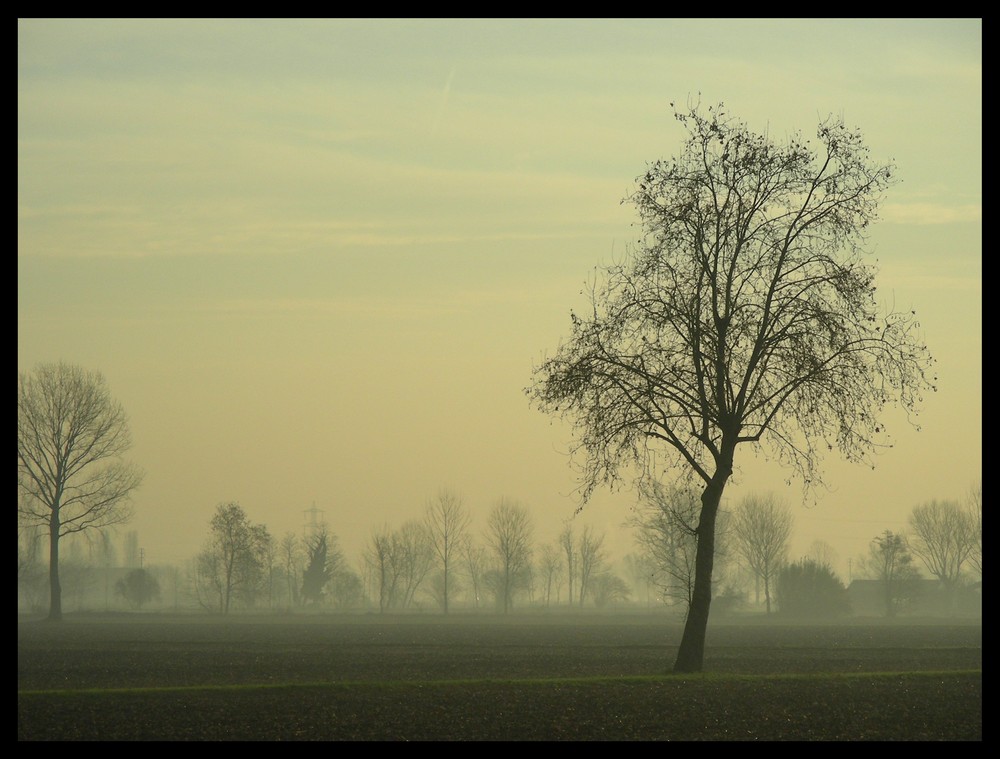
[312,519]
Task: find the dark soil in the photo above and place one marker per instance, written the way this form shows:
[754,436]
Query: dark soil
[427,678]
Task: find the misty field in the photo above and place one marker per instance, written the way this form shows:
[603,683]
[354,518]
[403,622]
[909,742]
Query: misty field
[522,677]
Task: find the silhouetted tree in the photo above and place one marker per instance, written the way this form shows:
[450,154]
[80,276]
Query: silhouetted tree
[944,536]
[665,525]
[822,553]
[890,563]
[974,504]
[71,477]
[592,558]
[379,558]
[346,590]
[609,588]
[810,589]
[269,559]
[568,545]
[138,588]
[233,563]
[446,522]
[761,530]
[474,563]
[400,560]
[289,553]
[744,314]
[550,567]
[415,556]
[509,536]
[30,568]
[322,559]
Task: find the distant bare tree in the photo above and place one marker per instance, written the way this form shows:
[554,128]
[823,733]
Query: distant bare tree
[609,588]
[640,572]
[592,558]
[890,562]
[665,523]
[474,563]
[346,590]
[822,554]
[568,545]
[30,568]
[550,567]
[71,477]
[762,528]
[401,560]
[269,556]
[290,553]
[323,558]
[509,536]
[416,555]
[233,561]
[446,522]
[974,504]
[380,559]
[944,536]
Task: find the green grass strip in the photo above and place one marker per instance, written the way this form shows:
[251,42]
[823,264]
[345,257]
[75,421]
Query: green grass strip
[703,678]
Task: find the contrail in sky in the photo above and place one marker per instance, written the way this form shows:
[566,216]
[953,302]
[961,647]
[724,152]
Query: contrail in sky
[444,101]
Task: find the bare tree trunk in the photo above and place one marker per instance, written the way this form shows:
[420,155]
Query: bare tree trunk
[691,654]
[55,588]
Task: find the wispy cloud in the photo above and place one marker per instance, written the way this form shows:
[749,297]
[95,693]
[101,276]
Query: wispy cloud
[931,213]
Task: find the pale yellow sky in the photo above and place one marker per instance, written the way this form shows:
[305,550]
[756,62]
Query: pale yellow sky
[317,260]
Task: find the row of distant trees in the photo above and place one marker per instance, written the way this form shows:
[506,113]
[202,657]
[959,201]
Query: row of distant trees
[435,557]
[73,481]
[752,547]
[437,560]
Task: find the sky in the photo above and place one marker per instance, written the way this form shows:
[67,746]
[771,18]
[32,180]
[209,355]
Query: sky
[318,260]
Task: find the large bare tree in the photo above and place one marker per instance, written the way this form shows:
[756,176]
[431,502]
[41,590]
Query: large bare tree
[745,314]
[71,475]
[762,528]
[446,520]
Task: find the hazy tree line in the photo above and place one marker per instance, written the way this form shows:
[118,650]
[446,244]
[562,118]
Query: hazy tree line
[436,563]
[74,487]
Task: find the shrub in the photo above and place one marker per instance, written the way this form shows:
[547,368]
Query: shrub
[138,587]
[810,589]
